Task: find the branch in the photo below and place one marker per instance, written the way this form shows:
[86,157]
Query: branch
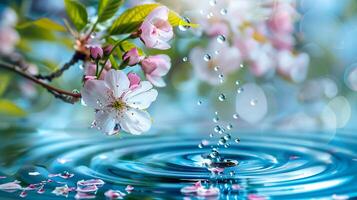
[66,96]
[75,58]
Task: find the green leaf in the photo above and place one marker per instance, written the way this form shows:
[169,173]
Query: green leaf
[4,82]
[107,9]
[126,46]
[9,108]
[77,13]
[131,19]
[114,62]
[44,23]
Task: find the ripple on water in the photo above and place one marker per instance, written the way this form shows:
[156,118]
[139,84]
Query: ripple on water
[274,165]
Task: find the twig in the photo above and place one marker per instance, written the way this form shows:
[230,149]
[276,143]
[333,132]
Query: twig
[66,96]
[75,58]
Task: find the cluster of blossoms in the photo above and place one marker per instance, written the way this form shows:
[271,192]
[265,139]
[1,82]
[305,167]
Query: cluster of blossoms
[120,98]
[256,33]
[8,35]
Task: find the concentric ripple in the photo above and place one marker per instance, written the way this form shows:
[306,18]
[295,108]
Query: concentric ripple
[273,165]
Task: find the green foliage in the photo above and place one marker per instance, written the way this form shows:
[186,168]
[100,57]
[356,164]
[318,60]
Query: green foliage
[44,23]
[4,82]
[77,13]
[36,33]
[127,46]
[131,19]
[107,9]
[9,108]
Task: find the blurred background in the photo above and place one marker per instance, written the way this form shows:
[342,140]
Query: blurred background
[311,84]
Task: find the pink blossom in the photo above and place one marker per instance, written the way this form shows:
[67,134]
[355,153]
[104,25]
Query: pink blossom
[119,107]
[262,60]
[155,67]
[134,80]
[216,29]
[132,57]
[293,66]
[282,19]
[81,195]
[191,188]
[62,191]
[208,192]
[8,39]
[129,188]
[96,52]
[91,68]
[156,31]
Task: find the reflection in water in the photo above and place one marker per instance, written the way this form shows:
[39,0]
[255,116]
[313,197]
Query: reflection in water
[274,165]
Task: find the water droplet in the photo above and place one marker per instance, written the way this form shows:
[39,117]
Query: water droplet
[211,135]
[221,76]
[185,59]
[237,82]
[200,145]
[224,11]
[226,145]
[229,126]
[216,52]
[216,68]
[240,90]
[216,113]
[235,116]
[199,102]
[75,91]
[241,65]
[215,119]
[237,140]
[222,141]
[183,27]
[217,129]
[232,173]
[221,38]
[207,57]
[212,2]
[227,137]
[253,102]
[222,97]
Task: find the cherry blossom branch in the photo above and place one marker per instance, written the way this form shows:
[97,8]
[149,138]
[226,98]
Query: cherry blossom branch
[75,58]
[66,96]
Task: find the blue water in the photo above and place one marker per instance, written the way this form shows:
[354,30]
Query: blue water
[273,165]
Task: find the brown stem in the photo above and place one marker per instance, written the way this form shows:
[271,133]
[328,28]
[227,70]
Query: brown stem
[59,93]
[75,58]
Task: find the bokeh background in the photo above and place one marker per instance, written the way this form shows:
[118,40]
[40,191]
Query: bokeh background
[325,100]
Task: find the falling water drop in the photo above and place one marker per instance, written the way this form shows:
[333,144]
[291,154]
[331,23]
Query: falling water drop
[216,68]
[224,11]
[229,126]
[207,57]
[199,102]
[222,97]
[237,82]
[215,119]
[216,52]
[200,145]
[237,140]
[217,129]
[241,65]
[221,38]
[212,2]
[222,141]
[227,137]
[240,90]
[185,59]
[253,102]
[235,116]
[183,26]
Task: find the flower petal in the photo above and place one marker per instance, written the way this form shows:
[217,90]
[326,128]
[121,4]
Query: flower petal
[117,81]
[143,87]
[157,81]
[135,121]
[95,93]
[106,122]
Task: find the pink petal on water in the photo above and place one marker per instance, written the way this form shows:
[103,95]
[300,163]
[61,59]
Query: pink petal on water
[191,189]
[23,194]
[255,197]
[96,182]
[129,188]
[87,188]
[236,187]
[11,186]
[203,192]
[114,194]
[80,195]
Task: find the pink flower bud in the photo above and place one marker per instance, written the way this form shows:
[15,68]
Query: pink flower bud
[96,52]
[155,67]
[132,57]
[156,31]
[107,49]
[134,80]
